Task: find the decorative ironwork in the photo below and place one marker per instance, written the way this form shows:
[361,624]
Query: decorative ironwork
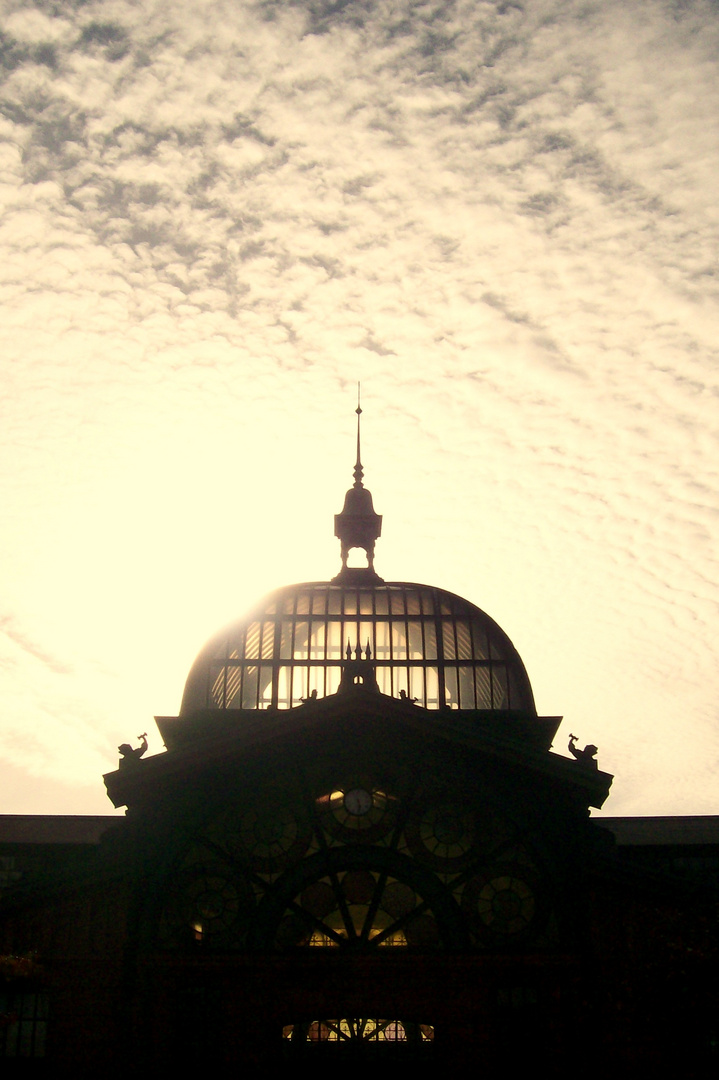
[356,863]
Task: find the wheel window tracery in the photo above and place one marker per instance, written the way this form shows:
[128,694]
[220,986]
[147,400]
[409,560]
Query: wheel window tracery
[358,908]
[357,865]
[502,902]
[364,1030]
[443,836]
[209,904]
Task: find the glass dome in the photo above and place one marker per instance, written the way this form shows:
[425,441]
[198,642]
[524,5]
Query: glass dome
[417,642]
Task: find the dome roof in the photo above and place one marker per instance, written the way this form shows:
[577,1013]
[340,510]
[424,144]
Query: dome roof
[405,640]
[408,641]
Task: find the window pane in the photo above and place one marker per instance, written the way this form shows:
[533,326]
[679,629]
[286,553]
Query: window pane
[466,688]
[266,685]
[416,649]
[381,631]
[479,637]
[399,642]
[317,641]
[384,680]
[268,640]
[366,634]
[334,640]
[430,641]
[412,602]
[286,639]
[334,602]
[484,688]
[299,685]
[450,686]
[381,602]
[252,641]
[283,687]
[217,686]
[302,634]
[233,678]
[365,603]
[464,641]
[416,684]
[316,681]
[450,651]
[249,688]
[502,699]
[432,700]
[334,675]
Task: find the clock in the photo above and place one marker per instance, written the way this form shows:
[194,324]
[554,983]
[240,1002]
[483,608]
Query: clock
[358,801]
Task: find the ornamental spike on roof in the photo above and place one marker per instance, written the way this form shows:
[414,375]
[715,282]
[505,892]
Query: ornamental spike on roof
[358,526]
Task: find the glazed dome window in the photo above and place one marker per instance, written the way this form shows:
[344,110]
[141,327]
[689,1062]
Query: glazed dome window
[421,643]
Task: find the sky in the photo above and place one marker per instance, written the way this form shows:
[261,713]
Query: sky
[501,217]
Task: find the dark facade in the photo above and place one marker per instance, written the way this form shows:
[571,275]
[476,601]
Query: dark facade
[358,849]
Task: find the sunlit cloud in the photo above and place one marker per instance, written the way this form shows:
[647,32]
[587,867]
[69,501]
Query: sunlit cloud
[214,219]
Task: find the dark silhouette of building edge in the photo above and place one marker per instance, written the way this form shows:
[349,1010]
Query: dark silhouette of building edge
[358,850]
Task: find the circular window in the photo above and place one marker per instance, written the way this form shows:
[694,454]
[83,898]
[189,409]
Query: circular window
[501,902]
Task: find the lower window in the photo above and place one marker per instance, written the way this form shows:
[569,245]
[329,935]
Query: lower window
[359,1031]
[23,1024]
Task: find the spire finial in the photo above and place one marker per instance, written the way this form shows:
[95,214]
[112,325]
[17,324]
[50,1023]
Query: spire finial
[358,526]
[358,470]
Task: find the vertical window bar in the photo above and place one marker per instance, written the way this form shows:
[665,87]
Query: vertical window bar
[441,685]
[275,696]
[473,660]
[507,685]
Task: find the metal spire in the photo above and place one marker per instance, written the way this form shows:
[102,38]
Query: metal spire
[358,526]
[358,470]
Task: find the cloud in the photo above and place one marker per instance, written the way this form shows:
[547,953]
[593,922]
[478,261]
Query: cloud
[500,217]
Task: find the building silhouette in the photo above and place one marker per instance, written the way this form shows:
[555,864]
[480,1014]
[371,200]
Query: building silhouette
[358,849]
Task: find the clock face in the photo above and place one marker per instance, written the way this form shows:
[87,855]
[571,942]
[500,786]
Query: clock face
[357,811]
[358,802]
